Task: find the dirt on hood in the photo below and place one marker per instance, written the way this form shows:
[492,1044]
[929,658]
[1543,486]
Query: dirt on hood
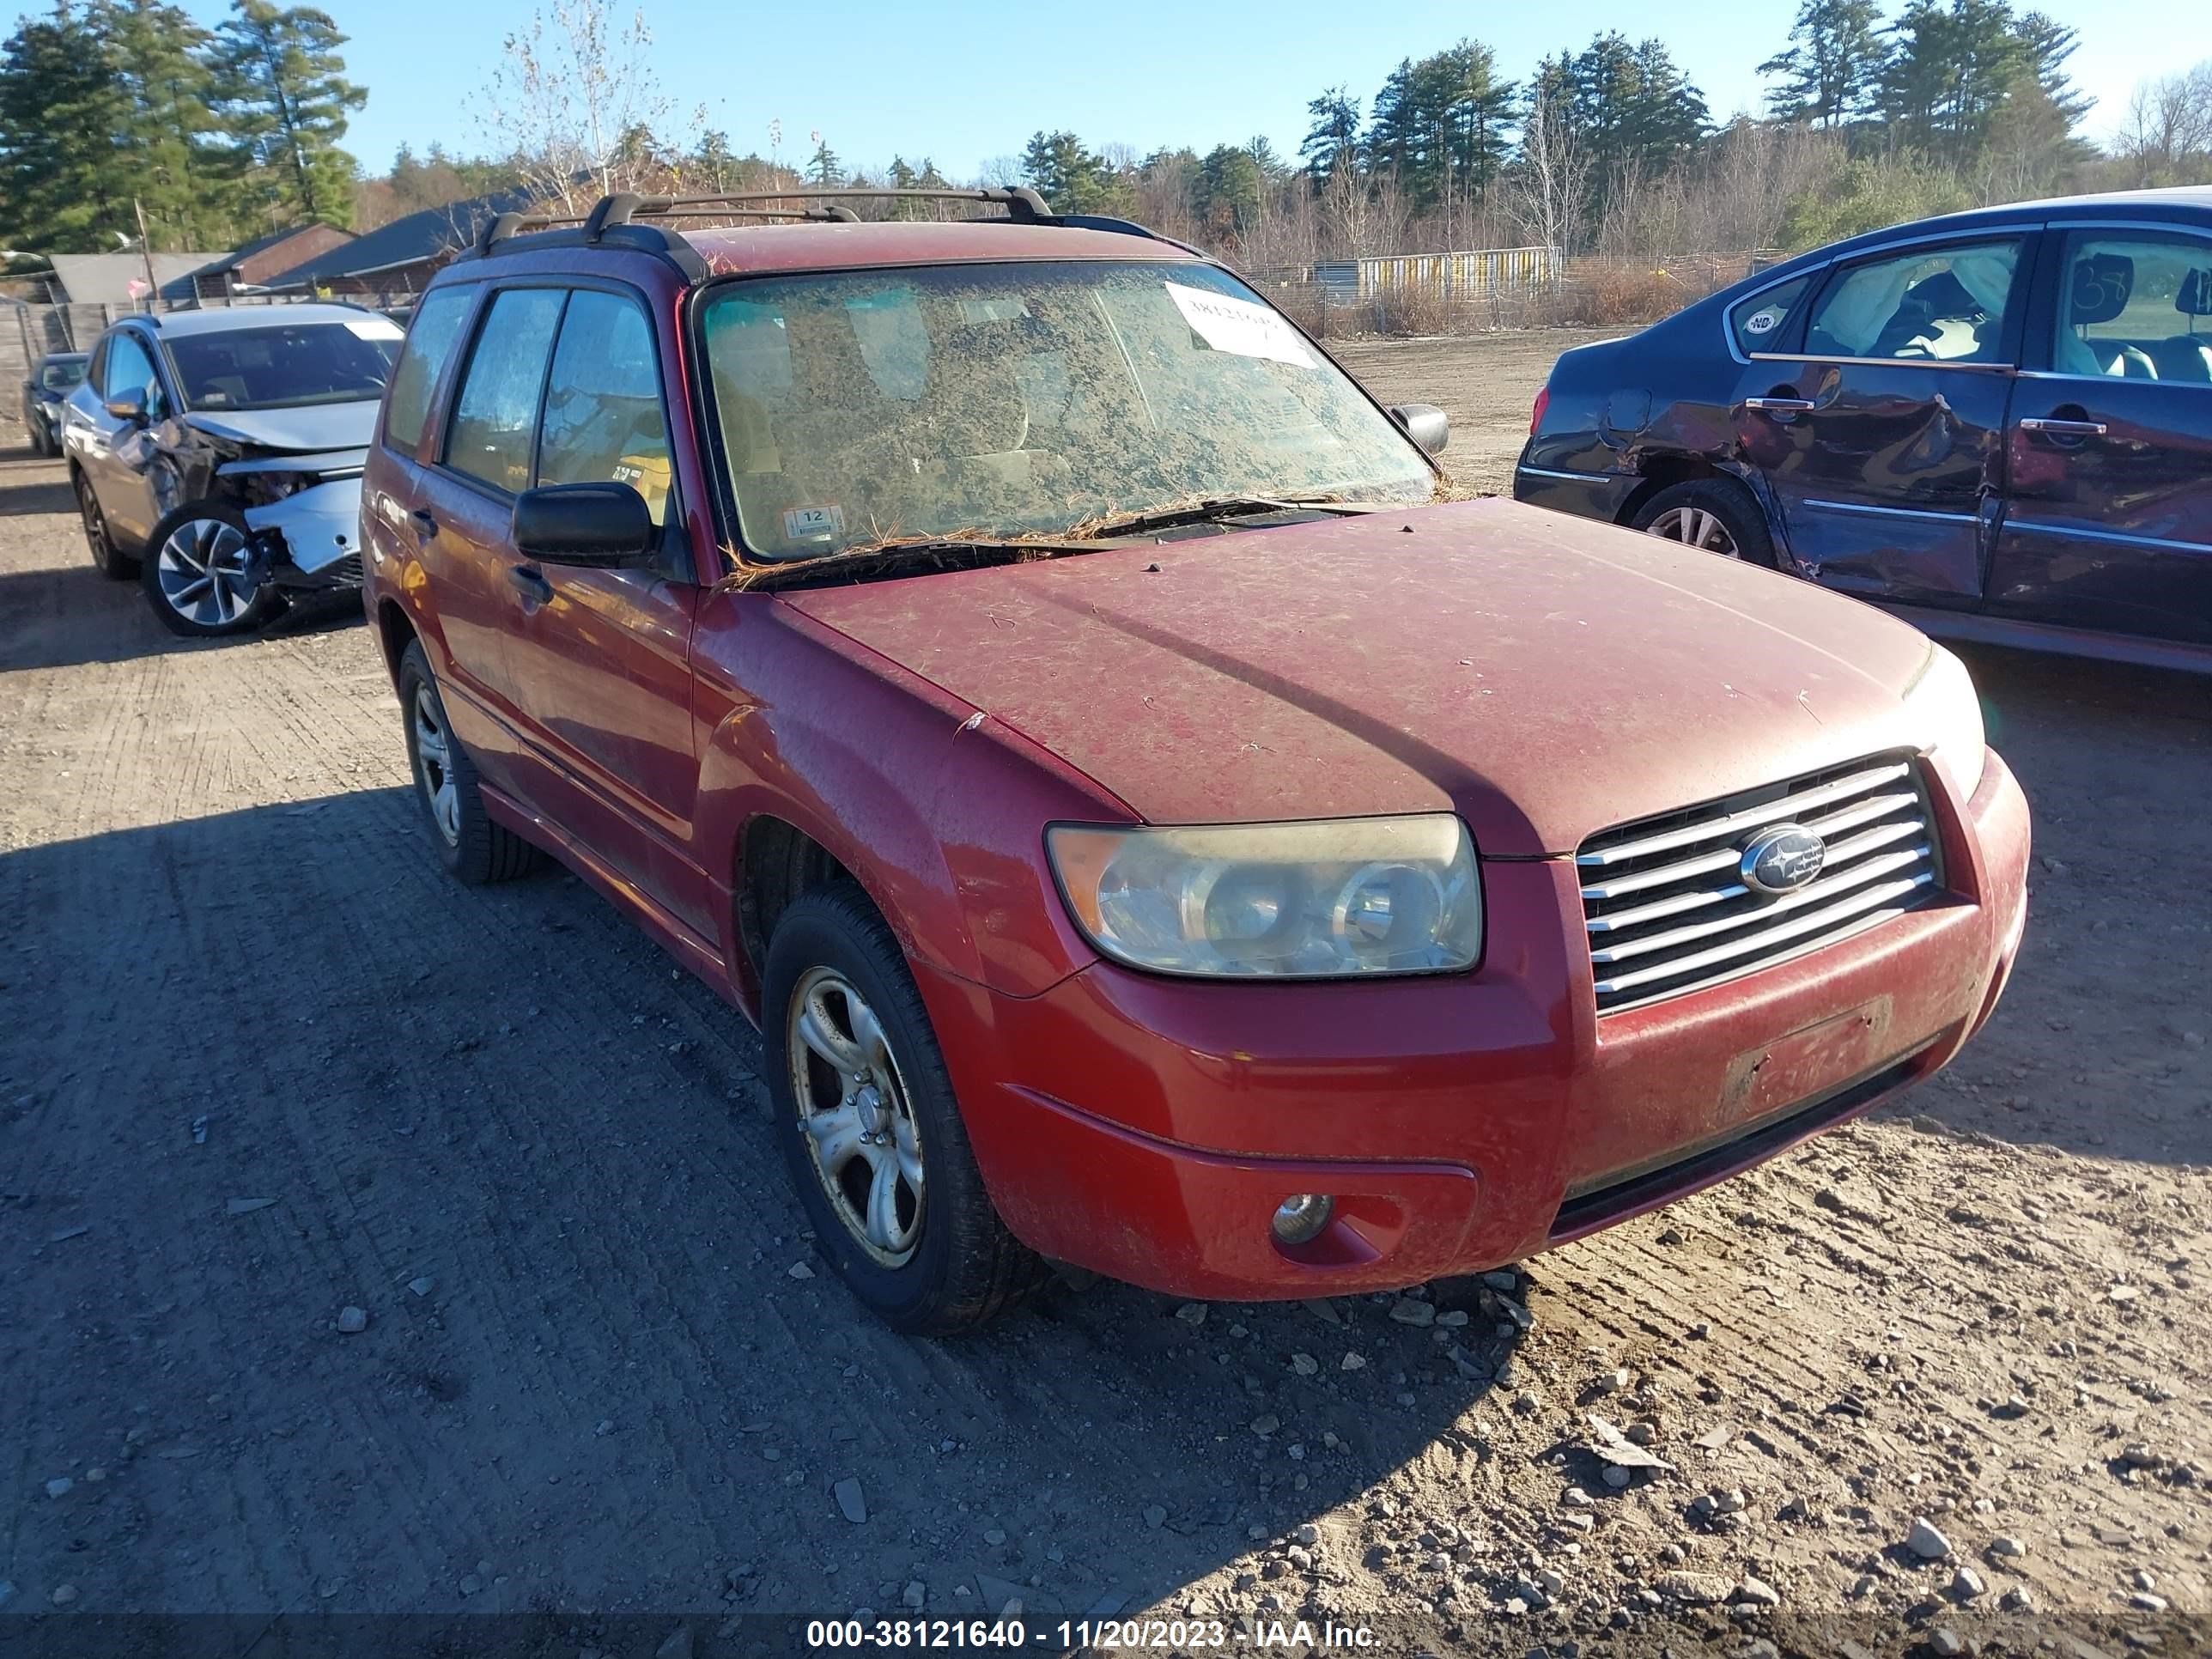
[1546,676]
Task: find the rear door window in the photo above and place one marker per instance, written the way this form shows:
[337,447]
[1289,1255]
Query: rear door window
[603,421]
[436,331]
[1923,304]
[494,424]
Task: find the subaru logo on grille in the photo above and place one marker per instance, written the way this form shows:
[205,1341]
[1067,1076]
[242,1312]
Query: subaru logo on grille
[1783,859]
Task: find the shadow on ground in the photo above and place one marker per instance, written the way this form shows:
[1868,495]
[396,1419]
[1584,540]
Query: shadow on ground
[600,1352]
[64,615]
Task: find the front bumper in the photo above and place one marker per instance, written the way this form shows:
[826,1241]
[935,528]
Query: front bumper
[1147,1128]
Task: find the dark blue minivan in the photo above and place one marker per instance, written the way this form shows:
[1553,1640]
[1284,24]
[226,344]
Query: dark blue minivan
[1997,423]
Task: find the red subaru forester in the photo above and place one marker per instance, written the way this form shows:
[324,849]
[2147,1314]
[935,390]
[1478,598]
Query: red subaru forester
[1153,828]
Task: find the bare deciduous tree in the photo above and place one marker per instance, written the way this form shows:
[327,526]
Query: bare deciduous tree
[1552,183]
[575,105]
[2168,124]
[1363,216]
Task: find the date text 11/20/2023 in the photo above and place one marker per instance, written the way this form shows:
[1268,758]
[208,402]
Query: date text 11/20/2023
[1107,1635]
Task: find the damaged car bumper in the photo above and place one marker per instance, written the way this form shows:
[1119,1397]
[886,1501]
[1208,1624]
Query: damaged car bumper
[311,533]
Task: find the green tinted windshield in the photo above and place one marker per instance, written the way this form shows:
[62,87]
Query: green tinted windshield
[1001,400]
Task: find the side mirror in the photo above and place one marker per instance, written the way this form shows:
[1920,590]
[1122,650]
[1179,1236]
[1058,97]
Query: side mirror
[128,406]
[1424,423]
[598,524]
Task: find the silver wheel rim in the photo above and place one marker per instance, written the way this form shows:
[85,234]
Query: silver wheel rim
[202,571]
[856,1116]
[1693,526]
[434,766]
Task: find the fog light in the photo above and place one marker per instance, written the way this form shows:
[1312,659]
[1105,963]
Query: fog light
[1300,1218]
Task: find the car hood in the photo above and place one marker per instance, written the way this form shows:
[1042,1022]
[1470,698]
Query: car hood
[310,427]
[1543,675]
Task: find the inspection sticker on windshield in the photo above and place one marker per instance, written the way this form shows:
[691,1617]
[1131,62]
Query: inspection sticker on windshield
[375,328]
[800,523]
[1228,324]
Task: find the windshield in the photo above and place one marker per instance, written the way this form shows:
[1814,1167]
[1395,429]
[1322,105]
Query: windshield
[1005,400]
[286,364]
[63,376]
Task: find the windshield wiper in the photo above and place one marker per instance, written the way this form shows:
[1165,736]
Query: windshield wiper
[943,552]
[1213,509]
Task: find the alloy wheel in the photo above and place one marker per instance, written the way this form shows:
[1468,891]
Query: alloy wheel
[858,1122]
[1693,526]
[202,571]
[95,525]
[434,766]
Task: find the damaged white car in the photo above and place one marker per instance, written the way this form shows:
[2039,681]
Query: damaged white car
[216,455]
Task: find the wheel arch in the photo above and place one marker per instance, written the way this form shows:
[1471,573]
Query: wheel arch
[395,632]
[777,863]
[1665,469]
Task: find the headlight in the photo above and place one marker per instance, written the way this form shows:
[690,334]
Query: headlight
[1947,712]
[1361,896]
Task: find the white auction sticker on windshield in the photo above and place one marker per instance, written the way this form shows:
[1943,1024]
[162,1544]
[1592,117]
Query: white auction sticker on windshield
[1228,324]
[375,328]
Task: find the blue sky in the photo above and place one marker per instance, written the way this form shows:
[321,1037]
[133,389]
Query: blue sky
[964,80]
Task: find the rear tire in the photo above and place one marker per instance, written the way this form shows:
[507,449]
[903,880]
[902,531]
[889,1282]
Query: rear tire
[1715,515]
[870,1129]
[194,573]
[474,849]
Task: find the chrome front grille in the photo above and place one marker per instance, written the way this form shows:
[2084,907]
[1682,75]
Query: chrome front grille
[1669,908]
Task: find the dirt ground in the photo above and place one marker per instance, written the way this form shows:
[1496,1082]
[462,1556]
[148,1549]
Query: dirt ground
[263,1062]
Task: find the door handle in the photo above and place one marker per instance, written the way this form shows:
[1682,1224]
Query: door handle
[530,582]
[425,522]
[2051,427]
[1781,405]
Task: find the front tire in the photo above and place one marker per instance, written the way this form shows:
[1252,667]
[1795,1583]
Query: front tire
[198,573]
[871,1130]
[473,848]
[1714,515]
[98,541]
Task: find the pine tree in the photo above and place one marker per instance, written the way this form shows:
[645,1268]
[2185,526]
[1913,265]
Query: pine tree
[824,170]
[1830,71]
[65,185]
[1953,67]
[1333,140]
[160,58]
[712,165]
[1229,187]
[285,97]
[1073,179]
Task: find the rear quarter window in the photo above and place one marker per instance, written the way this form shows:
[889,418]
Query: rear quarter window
[1761,322]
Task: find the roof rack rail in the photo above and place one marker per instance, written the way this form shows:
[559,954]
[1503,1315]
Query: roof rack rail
[1023,205]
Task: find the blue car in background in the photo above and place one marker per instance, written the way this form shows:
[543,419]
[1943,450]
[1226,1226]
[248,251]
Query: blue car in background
[1996,423]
